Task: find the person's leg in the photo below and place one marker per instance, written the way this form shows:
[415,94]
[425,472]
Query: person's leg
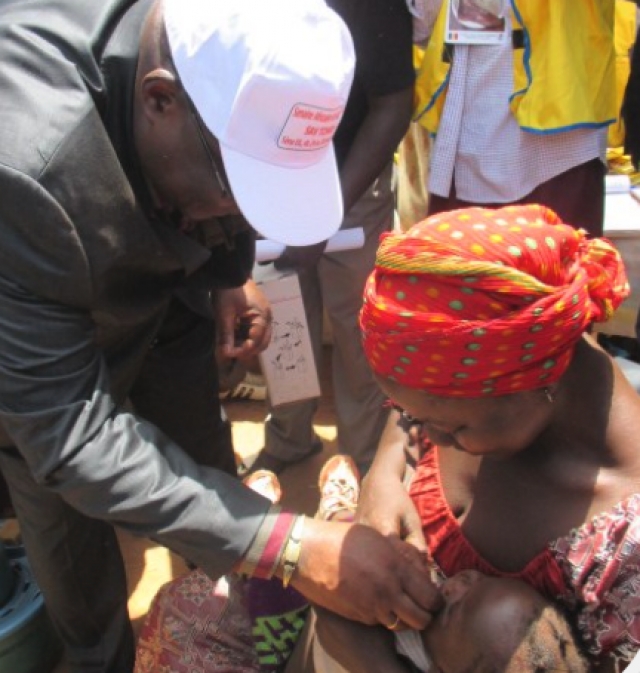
[413,176]
[443,204]
[6,508]
[359,402]
[289,433]
[177,389]
[78,566]
[576,195]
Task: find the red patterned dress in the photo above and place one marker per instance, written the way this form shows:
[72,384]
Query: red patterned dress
[593,571]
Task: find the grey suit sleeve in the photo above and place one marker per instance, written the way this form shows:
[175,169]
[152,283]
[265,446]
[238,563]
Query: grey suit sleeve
[56,407]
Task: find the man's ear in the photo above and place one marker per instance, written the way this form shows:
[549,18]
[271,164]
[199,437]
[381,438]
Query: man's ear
[160,91]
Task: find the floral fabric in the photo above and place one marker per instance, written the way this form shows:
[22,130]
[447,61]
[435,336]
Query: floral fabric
[601,564]
[197,626]
[234,625]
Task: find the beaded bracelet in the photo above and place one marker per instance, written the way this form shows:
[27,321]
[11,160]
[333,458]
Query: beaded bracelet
[291,553]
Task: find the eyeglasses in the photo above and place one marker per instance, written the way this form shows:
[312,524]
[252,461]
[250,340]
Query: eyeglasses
[224,187]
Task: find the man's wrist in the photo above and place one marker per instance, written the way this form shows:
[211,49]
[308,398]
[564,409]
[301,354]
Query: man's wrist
[263,558]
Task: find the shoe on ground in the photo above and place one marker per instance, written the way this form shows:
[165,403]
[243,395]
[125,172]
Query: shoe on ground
[265,483]
[252,387]
[339,484]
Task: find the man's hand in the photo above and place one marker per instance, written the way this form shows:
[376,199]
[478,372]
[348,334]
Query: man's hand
[244,321]
[298,258]
[354,571]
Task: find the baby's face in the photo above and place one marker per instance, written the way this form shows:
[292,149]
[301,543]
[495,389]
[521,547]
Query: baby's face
[481,615]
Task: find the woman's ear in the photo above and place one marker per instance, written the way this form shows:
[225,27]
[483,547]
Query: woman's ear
[550,392]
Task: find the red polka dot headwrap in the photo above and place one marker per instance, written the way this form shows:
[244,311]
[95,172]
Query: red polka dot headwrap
[486,302]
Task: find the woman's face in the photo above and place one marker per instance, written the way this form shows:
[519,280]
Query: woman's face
[483,618]
[498,426]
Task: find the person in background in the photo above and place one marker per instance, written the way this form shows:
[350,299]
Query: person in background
[474,322]
[413,176]
[139,139]
[625,31]
[523,120]
[631,107]
[631,119]
[376,118]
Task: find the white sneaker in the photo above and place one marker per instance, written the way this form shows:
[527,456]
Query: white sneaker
[252,387]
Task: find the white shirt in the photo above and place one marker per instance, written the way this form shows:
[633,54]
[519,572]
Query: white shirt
[410,644]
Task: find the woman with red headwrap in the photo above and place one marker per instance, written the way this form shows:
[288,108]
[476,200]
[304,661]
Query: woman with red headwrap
[474,322]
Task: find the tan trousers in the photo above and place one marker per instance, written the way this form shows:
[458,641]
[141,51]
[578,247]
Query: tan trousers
[413,175]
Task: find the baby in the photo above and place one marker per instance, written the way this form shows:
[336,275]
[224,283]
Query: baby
[486,625]
[492,625]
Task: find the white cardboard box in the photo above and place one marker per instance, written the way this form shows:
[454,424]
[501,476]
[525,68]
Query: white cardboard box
[622,228]
[288,364]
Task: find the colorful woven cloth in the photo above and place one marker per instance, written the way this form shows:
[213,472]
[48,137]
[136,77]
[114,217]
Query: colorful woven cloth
[486,302]
[233,625]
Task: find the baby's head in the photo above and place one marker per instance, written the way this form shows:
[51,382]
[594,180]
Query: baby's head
[499,625]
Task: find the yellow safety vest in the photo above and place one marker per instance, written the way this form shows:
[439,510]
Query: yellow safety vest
[563,66]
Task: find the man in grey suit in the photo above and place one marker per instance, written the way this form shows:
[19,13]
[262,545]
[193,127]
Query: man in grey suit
[133,134]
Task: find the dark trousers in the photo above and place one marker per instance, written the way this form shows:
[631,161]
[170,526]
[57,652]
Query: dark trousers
[577,196]
[77,560]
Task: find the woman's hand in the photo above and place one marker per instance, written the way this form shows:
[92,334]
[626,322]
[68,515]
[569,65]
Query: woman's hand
[358,573]
[244,321]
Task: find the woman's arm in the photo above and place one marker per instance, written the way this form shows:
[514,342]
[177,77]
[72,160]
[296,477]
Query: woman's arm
[384,502]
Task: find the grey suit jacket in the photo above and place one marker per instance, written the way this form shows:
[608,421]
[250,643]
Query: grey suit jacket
[86,275]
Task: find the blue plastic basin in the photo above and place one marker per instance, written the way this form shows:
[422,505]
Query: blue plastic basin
[28,643]
[7,577]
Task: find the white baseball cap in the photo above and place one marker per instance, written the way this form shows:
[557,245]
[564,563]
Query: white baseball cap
[270,79]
